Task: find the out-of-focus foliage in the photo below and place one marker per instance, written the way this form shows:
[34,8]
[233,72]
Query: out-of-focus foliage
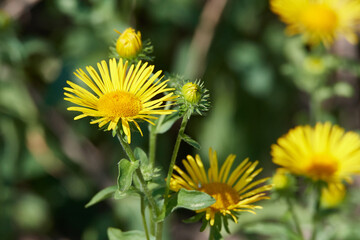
[51,166]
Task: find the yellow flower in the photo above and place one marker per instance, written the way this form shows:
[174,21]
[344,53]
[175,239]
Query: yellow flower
[324,152]
[129,43]
[319,20]
[332,196]
[234,193]
[120,95]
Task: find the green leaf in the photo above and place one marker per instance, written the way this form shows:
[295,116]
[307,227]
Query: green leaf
[102,195]
[130,192]
[141,155]
[189,199]
[190,141]
[275,230]
[167,124]
[126,170]
[117,234]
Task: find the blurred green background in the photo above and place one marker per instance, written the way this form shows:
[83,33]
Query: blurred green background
[51,165]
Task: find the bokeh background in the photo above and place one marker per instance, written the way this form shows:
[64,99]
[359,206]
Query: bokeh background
[51,165]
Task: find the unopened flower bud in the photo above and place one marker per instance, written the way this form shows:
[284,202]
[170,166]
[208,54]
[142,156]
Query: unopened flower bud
[332,196]
[191,92]
[129,43]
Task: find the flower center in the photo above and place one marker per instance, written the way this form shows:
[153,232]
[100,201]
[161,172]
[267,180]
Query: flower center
[322,166]
[119,104]
[224,195]
[319,17]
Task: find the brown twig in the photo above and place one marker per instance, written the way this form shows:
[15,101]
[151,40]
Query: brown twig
[203,36]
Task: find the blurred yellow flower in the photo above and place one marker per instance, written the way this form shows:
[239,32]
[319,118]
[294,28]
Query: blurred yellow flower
[234,193]
[120,94]
[319,20]
[129,43]
[324,152]
[332,196]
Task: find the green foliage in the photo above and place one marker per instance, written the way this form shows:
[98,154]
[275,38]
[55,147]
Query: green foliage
[126,171]
[117,234]
[189,199]
[102,195]
[190,141]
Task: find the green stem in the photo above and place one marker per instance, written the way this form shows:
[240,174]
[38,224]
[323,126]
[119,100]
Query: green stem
[316,217]
[138,172]
[170,171]
[314,108]
[142,205]
[295,217]
[159,230]
[173,157]
[152,224]
[152,146]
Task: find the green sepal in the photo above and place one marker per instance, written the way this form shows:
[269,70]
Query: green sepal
[204,224]
[167,123]
[190,141]
[102,195]
[117,234]
[189,199]
[216,233]
[126,170]
[226,224]
[194,218]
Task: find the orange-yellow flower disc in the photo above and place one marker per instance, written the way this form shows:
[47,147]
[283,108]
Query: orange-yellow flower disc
[119,95]
[235,192]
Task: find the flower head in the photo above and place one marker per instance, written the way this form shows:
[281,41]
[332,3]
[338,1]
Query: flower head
[332,196]
[193,96]
[119,94]
[235,192]
[324,153]
[319,20]
[129,43]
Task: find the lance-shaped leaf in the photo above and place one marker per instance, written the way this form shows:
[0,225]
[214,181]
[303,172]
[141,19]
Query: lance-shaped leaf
[126,171]
[167,124]
[190,141]
[189,199]
[102,195]
[145,167]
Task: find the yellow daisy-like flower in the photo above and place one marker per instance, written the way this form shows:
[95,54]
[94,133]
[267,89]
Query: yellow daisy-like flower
[233,192]
[119,94]
[319,20]
[324,152]
[129,43]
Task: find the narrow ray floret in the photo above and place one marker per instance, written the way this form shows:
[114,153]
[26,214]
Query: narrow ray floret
[119,95]
[234,192]
[322,153]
